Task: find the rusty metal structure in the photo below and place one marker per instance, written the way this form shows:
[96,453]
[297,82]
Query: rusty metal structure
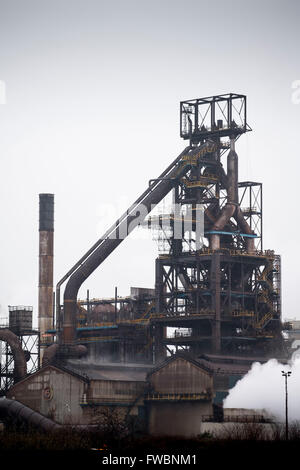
[19,347]
[215,285]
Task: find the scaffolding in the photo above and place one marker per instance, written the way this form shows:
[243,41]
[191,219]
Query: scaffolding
[20,323]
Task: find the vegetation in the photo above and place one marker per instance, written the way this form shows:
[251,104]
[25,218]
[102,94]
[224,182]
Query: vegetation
[243,440]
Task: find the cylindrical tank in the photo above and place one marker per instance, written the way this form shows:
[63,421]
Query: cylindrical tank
[20,319]
[46,229]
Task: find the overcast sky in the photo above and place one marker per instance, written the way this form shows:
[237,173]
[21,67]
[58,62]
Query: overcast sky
[92,113]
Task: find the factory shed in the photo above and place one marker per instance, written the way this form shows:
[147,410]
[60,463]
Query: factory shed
[85,394]
[180,393]
[54,393]
[173,398]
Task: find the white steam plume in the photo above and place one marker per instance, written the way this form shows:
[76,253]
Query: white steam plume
[263,387]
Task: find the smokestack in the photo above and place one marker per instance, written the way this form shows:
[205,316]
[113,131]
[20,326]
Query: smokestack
[46,229]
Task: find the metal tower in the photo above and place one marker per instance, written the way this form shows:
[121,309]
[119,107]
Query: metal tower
[227,292]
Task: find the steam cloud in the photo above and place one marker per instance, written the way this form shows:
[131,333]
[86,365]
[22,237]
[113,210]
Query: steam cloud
[264,388]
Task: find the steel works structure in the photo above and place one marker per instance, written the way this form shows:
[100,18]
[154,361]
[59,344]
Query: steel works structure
[19,347]
[216,289]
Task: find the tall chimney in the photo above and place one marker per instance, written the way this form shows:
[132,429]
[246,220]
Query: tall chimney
[46,229]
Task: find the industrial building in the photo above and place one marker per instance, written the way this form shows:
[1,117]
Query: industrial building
[171,352]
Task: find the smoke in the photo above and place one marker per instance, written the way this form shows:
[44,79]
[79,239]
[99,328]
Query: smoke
[263,387]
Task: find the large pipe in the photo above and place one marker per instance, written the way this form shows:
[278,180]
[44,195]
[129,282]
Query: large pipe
[46,229]
[232,208]
[49,354]
[232,197]
[226,213]
[244,226]
[18,411]
[109,232]
[232,175]
[20,367]
[135,215]
[23,413]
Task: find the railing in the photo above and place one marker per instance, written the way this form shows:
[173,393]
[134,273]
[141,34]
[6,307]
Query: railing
[180,334]
[4,323]
[209,251]
[170,315]
[177,396]
[94,339]
[237,419]
[13,308]
[203,181]
[243,313]
[249,209]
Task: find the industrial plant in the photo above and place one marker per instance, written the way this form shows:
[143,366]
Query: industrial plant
[163,358]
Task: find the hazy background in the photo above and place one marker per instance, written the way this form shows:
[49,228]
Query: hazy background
[92,113]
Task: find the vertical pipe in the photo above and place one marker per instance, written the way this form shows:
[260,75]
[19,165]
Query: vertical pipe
[229,112]
[88,303]
[53,309]
[232,174]
[232,196]
[216,302]
[116,301]
[286,410]
[46,229]
[212,114]
[159,287]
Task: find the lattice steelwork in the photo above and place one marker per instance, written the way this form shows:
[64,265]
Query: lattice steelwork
[218,289]
[228,292]
[30,345]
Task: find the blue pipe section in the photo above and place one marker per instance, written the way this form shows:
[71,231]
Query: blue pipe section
[221,232]
[88,328]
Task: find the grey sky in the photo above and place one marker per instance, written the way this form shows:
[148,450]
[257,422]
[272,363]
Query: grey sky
[92,113]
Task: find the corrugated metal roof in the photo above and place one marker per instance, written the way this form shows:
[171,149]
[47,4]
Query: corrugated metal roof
[111,371]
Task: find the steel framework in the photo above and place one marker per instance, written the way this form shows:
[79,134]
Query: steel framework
[216,287]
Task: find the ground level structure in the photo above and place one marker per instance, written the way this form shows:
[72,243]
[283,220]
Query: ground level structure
[173,398]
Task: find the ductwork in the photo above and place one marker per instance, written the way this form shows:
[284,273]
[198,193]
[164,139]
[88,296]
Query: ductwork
[20,367]
[18,411]
[232,208]
[244,226]
[23,413]
[53,351]
[124,226]
[226,213]
[232,197]
[157,190]
[232,175]
[49,354]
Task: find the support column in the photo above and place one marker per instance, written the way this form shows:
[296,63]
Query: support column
[216,302]
[159,352]
[158,286]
